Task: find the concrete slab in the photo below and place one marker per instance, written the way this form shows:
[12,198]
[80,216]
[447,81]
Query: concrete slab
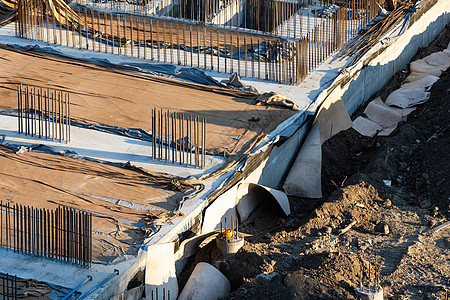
[104,147]
[54,272]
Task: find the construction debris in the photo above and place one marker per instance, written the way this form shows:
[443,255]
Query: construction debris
[348,227]
[439,228]
[277,99]
[382,119]
[359,46]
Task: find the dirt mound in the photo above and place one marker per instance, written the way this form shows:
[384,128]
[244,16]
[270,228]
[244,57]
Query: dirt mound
[397,190]
[323,271]
[356,202]
[346,153]
[244,266]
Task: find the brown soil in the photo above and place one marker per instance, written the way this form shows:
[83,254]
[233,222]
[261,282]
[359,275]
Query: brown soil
[304,256]
[47,181]
[125,98]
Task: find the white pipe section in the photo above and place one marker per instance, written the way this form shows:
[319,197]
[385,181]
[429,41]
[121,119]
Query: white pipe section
[206,283]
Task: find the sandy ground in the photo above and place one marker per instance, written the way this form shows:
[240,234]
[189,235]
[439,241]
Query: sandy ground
[303,256]
[122,200]
[125,98]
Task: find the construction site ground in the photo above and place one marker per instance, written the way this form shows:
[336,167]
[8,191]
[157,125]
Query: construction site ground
[125,98]
[397,190]
[122,198]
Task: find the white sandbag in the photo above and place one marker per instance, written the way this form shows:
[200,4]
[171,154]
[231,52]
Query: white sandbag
[366,127]
[404,98]
[438,59]
[421,66]
[387,131]
[446,52]
[424,82]
[414,76]
[382,114]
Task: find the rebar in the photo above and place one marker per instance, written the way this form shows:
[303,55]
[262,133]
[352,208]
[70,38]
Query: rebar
[234,228]
[277,26]
[172,138]
[36,116]
[9,289]
[64,234]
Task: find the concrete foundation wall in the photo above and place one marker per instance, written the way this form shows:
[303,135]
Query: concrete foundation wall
[231,15]
[378,68]
[365,80]
[119,284]
[354,89]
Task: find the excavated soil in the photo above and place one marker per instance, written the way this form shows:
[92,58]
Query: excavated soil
[395,188]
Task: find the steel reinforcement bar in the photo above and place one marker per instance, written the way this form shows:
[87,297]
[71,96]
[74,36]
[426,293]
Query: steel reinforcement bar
[43,112]
[8,288]
[178,138]
[63,234]
[223,50]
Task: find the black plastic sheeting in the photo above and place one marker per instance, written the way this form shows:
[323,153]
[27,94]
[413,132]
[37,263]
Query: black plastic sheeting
[7,13]
[184,74]
[134,133]
[191,75]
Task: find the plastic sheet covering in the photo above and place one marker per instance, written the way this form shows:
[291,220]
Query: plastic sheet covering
[123,98]
[185,74]
[114,195]
[7,14]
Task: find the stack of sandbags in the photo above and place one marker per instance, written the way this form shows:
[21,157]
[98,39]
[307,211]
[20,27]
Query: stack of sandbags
[383,117]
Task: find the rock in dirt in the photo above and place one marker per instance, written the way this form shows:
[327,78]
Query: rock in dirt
[432,223]
[382,228]
[425,204]
[435,211]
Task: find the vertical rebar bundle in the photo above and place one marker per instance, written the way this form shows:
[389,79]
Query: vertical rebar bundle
[64,234]
[8,290]
[161,295]
[43,113]
[280,41]
[178,138]
[229,232]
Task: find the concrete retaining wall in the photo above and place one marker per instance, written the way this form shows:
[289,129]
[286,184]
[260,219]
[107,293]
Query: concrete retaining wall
[354,88]
[378,66]
[365,79]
